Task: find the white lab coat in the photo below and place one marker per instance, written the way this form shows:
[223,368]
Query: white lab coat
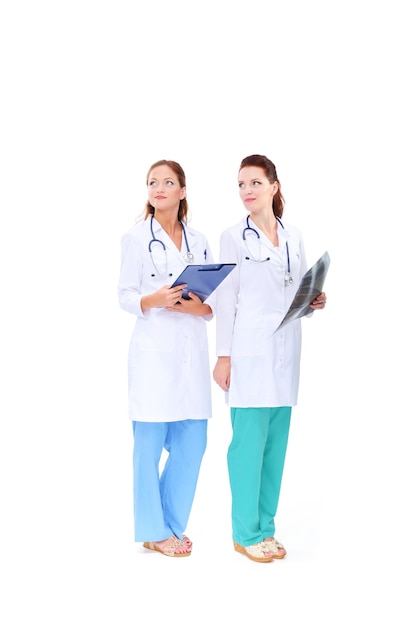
[251,303]
[168,363]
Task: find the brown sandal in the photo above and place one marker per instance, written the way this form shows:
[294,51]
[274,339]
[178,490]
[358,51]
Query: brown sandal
[171,547]
[258,552]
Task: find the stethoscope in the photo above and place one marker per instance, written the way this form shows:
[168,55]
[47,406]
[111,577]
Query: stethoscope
[249,229]
[188,256]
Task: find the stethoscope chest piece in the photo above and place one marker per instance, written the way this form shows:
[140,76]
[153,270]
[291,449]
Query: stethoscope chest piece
[189,256]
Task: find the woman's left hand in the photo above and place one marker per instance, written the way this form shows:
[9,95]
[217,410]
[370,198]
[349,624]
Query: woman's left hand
[193,306]
[319,302]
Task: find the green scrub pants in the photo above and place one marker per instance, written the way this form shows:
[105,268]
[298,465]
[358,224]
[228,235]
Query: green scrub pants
[255,461]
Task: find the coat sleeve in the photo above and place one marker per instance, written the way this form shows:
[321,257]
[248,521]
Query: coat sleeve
[227,296]
[130,276]
[303,267]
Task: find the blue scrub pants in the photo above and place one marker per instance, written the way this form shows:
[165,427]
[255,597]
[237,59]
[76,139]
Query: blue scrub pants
[162,501]
[255,460]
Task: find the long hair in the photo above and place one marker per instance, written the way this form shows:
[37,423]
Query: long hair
[258,160]
[179,172]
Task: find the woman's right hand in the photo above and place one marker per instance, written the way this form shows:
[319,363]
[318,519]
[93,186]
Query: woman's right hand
[165,297]
[221,372]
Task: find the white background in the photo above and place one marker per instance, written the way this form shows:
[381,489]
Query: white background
[92,94]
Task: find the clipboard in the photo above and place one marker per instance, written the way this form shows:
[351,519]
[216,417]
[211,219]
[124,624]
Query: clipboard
[203,279]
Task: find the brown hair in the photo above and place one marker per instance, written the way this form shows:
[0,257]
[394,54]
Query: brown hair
[258,160]
[179,172]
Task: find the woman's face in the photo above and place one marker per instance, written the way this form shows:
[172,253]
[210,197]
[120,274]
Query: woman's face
[256,192]
[164,191]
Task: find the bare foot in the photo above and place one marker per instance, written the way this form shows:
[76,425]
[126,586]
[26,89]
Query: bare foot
[187,542]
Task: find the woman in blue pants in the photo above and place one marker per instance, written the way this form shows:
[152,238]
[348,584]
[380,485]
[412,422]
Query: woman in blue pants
[168,363]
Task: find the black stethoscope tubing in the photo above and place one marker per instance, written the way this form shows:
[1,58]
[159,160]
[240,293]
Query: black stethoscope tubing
[249,228]
[188,255]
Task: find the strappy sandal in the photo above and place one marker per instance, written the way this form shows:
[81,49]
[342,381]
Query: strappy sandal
[258,552]
[171,547]
[276,548]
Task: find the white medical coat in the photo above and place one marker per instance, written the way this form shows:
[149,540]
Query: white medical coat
[169,376]
[251,302]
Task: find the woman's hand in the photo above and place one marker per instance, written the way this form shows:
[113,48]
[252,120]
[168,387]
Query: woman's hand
[319,302]
[193,306]
[221,372]
[165,297]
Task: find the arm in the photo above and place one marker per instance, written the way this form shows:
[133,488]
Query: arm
[227,298]
[130,275]
[129,288]
[221,372]
[320,301]
[194,306]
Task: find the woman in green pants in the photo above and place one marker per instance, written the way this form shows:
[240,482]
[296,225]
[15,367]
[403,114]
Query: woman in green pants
[257,365]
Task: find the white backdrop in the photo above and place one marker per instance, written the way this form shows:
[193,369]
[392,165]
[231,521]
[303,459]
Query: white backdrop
[92,94]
